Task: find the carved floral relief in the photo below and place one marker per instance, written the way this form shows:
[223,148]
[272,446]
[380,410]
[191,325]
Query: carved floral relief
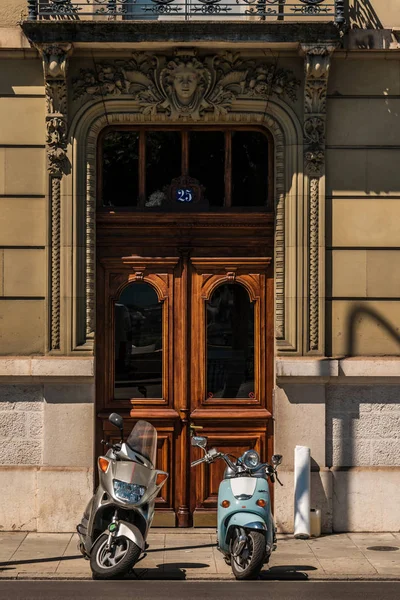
[186,86]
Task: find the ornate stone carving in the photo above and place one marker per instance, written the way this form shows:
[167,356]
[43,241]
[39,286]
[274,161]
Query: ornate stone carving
[56,97]
[185,86]
[56,140]
[316,65]
[55,71]
[55,306]
[313,306]
[54,58]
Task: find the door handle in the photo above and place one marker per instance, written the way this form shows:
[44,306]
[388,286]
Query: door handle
[193,428]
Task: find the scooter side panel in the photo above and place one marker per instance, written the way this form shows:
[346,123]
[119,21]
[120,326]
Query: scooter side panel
[242,512]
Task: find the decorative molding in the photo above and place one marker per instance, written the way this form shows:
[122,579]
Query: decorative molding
[316,65]
[54,58]
[184,86]
[55,307]
[229,264]
[313,274]
[280,194]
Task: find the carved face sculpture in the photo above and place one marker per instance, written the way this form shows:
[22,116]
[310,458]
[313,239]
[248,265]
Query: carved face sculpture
[185,81]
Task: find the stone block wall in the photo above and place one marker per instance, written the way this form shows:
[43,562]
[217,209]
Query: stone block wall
[46,451]
[23,228]
[363,203]
[21,424]
[363,425]
[348,413]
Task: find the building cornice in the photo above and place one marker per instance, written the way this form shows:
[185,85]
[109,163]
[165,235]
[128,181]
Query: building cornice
[108,34]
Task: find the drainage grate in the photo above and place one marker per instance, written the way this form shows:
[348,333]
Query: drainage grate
[383,548]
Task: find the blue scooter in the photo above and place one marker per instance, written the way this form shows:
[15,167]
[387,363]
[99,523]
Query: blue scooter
[246,528]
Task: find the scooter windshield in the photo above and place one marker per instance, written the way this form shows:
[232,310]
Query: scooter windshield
[143,440]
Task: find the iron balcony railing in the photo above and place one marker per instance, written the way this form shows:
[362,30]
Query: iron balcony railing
[176,10]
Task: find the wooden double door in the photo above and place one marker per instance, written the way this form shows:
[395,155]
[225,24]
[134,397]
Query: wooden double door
[185,339]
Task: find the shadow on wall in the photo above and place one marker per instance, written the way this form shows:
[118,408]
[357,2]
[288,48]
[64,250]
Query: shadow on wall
[354,318]
[367,31]
[362,421]
[362,15]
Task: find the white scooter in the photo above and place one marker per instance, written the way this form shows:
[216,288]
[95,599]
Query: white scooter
[117,519]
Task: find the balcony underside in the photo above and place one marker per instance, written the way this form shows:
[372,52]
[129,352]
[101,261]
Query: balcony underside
[193,32]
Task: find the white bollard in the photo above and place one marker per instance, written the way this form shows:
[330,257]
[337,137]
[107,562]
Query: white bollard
[302,484]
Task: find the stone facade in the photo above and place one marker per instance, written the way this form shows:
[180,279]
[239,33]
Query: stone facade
[21,425]
[334,116]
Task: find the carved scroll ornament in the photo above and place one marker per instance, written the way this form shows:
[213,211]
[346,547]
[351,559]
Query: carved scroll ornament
[185,86]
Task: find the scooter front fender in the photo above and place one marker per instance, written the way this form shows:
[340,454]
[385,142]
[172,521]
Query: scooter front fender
[248,521]
[131,532]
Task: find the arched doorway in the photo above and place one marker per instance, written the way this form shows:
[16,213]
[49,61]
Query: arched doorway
[185,298]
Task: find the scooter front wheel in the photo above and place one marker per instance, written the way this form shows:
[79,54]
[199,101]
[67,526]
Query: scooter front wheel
[248,563]
[109,563]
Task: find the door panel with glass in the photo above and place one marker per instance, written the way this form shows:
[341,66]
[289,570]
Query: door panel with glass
[184,300]
[232,374]
[185,342]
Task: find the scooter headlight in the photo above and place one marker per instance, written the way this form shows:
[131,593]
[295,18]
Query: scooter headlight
[251,459]
[128,492]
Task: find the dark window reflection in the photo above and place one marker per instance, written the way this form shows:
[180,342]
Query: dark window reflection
[230,343]
[138,343]
[249,169]
[120,168]
[207,163]
[163,163]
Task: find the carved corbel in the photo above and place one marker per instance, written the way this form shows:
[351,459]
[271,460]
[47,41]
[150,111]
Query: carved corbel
[55,59]
[317,62]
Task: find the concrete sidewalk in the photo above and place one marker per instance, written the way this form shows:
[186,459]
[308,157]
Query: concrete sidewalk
[192,554]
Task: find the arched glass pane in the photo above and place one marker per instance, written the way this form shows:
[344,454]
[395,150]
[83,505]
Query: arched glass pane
[230,343]
[138,343]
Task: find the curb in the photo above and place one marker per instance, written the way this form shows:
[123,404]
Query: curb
[206,577]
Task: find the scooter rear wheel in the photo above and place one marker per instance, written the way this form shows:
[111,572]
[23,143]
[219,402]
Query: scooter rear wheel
[250,561]
[113,562]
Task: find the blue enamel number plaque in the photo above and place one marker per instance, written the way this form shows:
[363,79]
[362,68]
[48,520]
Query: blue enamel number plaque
[184,195]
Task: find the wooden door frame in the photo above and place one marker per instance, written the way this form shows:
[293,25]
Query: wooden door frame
[199,238]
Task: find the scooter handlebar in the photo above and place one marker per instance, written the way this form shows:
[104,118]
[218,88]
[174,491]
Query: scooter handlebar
[197,462]
[209,457]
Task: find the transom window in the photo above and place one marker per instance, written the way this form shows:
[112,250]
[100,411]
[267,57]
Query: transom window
[184,168]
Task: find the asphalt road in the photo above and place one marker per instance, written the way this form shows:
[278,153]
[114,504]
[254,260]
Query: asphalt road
[196,590]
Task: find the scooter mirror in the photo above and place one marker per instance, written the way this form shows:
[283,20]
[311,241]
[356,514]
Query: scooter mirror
[276,459]
[116,420]
[201,442]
